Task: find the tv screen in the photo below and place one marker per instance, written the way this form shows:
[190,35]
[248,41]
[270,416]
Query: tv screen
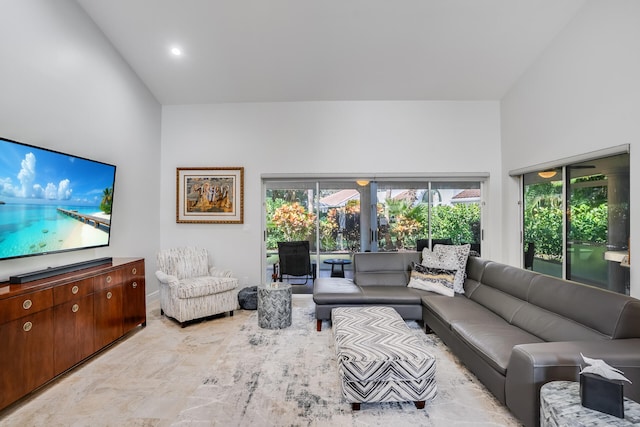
[51,201]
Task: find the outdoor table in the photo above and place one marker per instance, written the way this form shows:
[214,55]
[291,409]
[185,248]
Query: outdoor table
[335,262]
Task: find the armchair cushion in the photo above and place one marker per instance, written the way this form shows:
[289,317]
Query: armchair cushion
[186,262]
[205,285]
[218,272]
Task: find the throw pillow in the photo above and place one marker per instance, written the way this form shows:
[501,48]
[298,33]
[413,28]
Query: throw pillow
[458,255]
[432,279]
[435,260]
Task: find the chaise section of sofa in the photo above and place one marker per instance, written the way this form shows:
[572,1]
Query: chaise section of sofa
[379,279]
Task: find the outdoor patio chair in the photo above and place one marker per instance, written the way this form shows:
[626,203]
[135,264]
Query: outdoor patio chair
[295,261]
[528,255]
[424,243]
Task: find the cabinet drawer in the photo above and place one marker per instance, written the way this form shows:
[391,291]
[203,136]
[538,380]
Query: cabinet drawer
[23,305]
[107,280]
[71,291]
[134,271]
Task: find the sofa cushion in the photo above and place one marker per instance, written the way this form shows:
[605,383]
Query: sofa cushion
[475,268]
[383,268]
[450,310]
[336,290]
[553,327]
[493,341]
[501,303]
[508,279]
[391,295]
[206,285]
[613,314]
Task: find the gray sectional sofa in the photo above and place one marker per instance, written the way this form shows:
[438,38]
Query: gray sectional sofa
[513,328]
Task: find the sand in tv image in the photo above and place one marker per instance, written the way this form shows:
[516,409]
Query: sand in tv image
[51,201]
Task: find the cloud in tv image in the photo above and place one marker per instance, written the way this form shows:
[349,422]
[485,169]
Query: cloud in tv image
[51,201]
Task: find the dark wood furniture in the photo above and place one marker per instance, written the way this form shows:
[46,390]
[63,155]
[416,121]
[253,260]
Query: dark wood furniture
[50,325]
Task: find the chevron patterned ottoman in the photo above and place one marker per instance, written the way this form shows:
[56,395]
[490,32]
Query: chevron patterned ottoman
[380,359]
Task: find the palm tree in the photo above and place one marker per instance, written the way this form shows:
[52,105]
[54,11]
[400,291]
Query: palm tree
[107,200]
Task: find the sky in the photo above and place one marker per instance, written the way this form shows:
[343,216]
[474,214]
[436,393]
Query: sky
[34,175]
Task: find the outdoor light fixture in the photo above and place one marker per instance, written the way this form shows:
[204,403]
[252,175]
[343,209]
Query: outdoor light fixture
[547,174]
[362,182]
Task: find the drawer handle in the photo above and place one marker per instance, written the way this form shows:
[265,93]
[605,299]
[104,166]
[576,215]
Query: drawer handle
[75,290]
[109,295]
[75,308]
[108,279]
[27,304]
[134,270]
[27,326]
[134,285]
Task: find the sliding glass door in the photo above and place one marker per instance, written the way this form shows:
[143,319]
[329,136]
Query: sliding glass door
[291,215]
[340,217]
[543,221]
[412,215]
[576,222]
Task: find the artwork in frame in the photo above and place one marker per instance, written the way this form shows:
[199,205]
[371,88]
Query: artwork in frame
[210,195]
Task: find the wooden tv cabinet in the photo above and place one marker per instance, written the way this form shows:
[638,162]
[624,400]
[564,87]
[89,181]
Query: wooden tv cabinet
[50,325]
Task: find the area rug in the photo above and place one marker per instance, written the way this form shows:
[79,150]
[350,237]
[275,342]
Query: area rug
[289,377]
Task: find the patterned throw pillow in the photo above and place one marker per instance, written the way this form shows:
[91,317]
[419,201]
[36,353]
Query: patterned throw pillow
[453,257]
[436,280]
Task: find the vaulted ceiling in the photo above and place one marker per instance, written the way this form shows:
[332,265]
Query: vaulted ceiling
[309,50]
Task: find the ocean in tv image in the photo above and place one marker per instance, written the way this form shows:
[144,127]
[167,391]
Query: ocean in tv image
[51,201]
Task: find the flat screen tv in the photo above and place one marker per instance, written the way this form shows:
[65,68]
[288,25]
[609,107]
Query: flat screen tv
[52,202]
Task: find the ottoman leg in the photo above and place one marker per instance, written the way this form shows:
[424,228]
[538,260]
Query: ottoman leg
[318,325]
[419,404]
[355,406]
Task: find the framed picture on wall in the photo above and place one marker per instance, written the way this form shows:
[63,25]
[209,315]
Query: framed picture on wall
[210,195]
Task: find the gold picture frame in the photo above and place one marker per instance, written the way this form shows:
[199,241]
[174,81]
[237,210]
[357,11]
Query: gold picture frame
[210,195]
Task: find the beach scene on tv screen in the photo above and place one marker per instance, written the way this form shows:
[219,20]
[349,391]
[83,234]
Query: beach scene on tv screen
[51,201]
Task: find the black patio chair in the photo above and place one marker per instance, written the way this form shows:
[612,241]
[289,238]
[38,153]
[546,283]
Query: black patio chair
[528,255]
[424,243]
[295,261]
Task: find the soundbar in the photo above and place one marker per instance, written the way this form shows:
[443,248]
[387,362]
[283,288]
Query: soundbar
[52,271]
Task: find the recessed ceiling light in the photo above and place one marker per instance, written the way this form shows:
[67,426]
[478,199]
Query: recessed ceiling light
[176,51]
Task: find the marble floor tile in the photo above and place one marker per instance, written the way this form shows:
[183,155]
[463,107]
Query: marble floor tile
[230,372]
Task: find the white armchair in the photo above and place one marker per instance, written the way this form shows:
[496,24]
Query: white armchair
[191,289]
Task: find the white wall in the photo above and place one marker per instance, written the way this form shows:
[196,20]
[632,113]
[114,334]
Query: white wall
[63,87]
[314,138]
[582,95]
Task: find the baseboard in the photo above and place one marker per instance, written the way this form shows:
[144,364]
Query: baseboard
[153,296]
